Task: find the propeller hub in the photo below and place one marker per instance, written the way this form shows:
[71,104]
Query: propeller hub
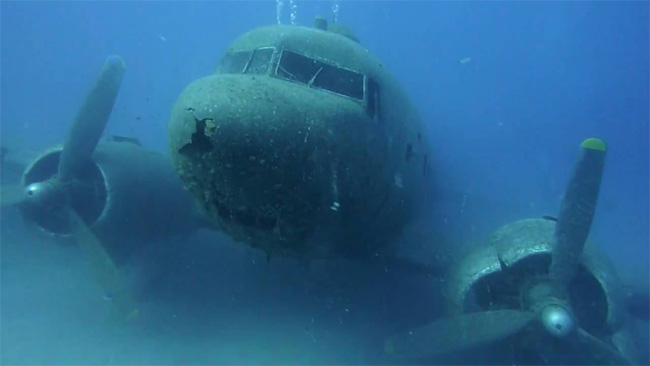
[536,293]
[43,194]
[557,320]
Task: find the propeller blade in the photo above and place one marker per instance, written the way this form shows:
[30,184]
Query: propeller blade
[577,210]
[105,271]
[91,119]
[11,195]
[458,333]
[598,351]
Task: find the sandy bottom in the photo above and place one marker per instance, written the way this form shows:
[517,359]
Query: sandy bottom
[202,301]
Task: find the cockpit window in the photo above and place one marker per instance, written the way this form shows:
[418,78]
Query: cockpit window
[296,67]
[247,62]
[259,63]
[372,101]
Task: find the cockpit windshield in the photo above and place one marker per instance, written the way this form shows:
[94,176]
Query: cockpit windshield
[316,74]
[295,67]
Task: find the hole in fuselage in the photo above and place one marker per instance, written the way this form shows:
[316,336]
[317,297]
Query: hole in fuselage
[200,142]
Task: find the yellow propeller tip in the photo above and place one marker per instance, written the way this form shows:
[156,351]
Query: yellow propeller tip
[594,144]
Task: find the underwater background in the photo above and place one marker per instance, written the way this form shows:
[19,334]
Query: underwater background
[508,89]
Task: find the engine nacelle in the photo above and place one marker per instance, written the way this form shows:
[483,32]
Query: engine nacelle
[503,275]
[127,195]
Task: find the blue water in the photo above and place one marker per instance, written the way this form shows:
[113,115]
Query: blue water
[505,126]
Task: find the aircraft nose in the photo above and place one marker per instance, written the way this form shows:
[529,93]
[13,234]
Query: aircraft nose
[257,158]
[245,130]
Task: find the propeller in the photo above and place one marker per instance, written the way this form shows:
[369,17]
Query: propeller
[53,196]
[547,300]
